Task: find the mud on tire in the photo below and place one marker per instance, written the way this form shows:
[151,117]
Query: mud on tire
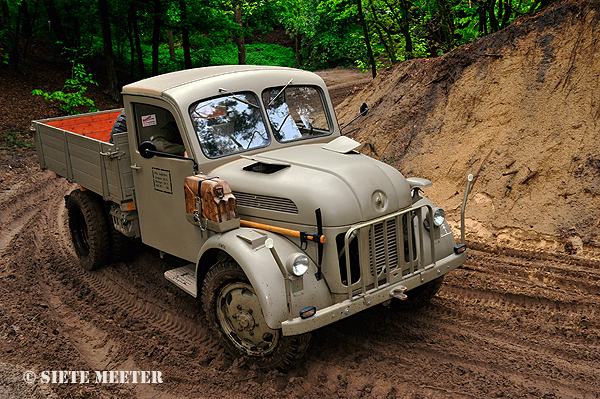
[89,229]
[418,297]
[234,315]
[120,244]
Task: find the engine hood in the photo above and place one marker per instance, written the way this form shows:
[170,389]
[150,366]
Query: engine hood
[289,184]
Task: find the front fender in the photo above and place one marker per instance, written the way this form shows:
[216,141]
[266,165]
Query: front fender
[246,247]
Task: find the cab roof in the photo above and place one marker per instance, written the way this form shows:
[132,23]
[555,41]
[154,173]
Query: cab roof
[158,85]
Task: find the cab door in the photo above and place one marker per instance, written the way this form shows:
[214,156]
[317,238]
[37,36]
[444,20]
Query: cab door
[159,185]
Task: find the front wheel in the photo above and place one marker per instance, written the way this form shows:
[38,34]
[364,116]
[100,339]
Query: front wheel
[235,316]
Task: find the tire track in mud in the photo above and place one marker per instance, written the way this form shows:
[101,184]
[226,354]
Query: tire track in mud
[115,292]
[509,300]
[16,212]
[566,276]
[41,247]
[137,307]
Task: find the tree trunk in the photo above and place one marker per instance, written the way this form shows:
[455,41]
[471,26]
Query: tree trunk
[138,45]
[185,36]
[14,54]
[494,25]
[447,26]
[131,43]
[55,22]
[367,40]
[379,29]
[404,28]
[108,50]
[155,36]
[507,12]
[388,46]
[298,47]
[482,15]
[4,14]
[171,44]
[239,39]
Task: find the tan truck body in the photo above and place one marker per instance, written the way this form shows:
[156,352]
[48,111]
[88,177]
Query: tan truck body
[380,237]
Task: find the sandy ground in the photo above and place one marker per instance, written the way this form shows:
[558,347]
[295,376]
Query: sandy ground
[512,324]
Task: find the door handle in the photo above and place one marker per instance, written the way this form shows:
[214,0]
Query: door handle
[135,167]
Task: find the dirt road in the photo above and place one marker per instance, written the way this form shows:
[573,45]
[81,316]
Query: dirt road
[502,326]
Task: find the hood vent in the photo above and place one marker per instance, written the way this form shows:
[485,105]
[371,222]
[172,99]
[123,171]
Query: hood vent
[265,202]
[266,168]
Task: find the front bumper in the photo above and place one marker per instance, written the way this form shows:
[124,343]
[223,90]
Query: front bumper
[371,298]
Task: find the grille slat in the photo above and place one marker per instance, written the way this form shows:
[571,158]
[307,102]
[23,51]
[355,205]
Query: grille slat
[265,202]
[383,232]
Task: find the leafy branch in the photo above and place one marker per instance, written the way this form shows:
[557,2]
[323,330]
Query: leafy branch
[72,97]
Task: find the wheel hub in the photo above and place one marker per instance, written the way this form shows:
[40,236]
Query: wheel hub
[242,320]
[245,320]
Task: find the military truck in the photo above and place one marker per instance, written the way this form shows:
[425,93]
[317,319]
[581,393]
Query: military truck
[282,225]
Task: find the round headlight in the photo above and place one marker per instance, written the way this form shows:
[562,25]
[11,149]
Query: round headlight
[298,265]
[439,216]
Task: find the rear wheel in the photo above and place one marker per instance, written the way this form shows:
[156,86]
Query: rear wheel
[234,314]
[89,229]
[418,297]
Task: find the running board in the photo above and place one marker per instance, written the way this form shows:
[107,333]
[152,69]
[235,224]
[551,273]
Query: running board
[185,278]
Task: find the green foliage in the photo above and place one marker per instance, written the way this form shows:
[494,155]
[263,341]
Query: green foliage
[256,54]
[72,99]
[13,141]
[270,54]
[326,33]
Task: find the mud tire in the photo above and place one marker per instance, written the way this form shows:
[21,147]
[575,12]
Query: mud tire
[227,276]
[418,297]
[89,229]
[120,244]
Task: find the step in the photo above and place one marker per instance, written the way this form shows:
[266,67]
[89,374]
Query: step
[185,278]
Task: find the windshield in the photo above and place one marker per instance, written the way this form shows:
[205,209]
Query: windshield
[229,124]
[296,112]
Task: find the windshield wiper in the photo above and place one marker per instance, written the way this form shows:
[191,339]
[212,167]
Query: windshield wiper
[280,91]
[222,90]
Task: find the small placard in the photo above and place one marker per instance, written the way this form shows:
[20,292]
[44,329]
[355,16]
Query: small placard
[162,180]
[149,120]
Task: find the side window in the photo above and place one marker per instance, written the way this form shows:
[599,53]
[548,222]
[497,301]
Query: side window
[158,125]
[229,124]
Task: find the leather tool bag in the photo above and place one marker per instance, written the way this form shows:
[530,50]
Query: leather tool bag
[210,203]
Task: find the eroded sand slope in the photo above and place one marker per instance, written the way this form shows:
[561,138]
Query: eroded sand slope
[520,110]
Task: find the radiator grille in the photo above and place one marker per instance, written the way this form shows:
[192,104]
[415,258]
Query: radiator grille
[265,202]
[387,250]
[382,241]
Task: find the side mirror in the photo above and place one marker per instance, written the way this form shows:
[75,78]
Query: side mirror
[147,149]
[364,108]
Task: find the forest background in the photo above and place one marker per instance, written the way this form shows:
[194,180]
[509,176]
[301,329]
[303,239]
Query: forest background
[127,40]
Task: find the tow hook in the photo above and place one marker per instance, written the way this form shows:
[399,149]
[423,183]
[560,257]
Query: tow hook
[399,292]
